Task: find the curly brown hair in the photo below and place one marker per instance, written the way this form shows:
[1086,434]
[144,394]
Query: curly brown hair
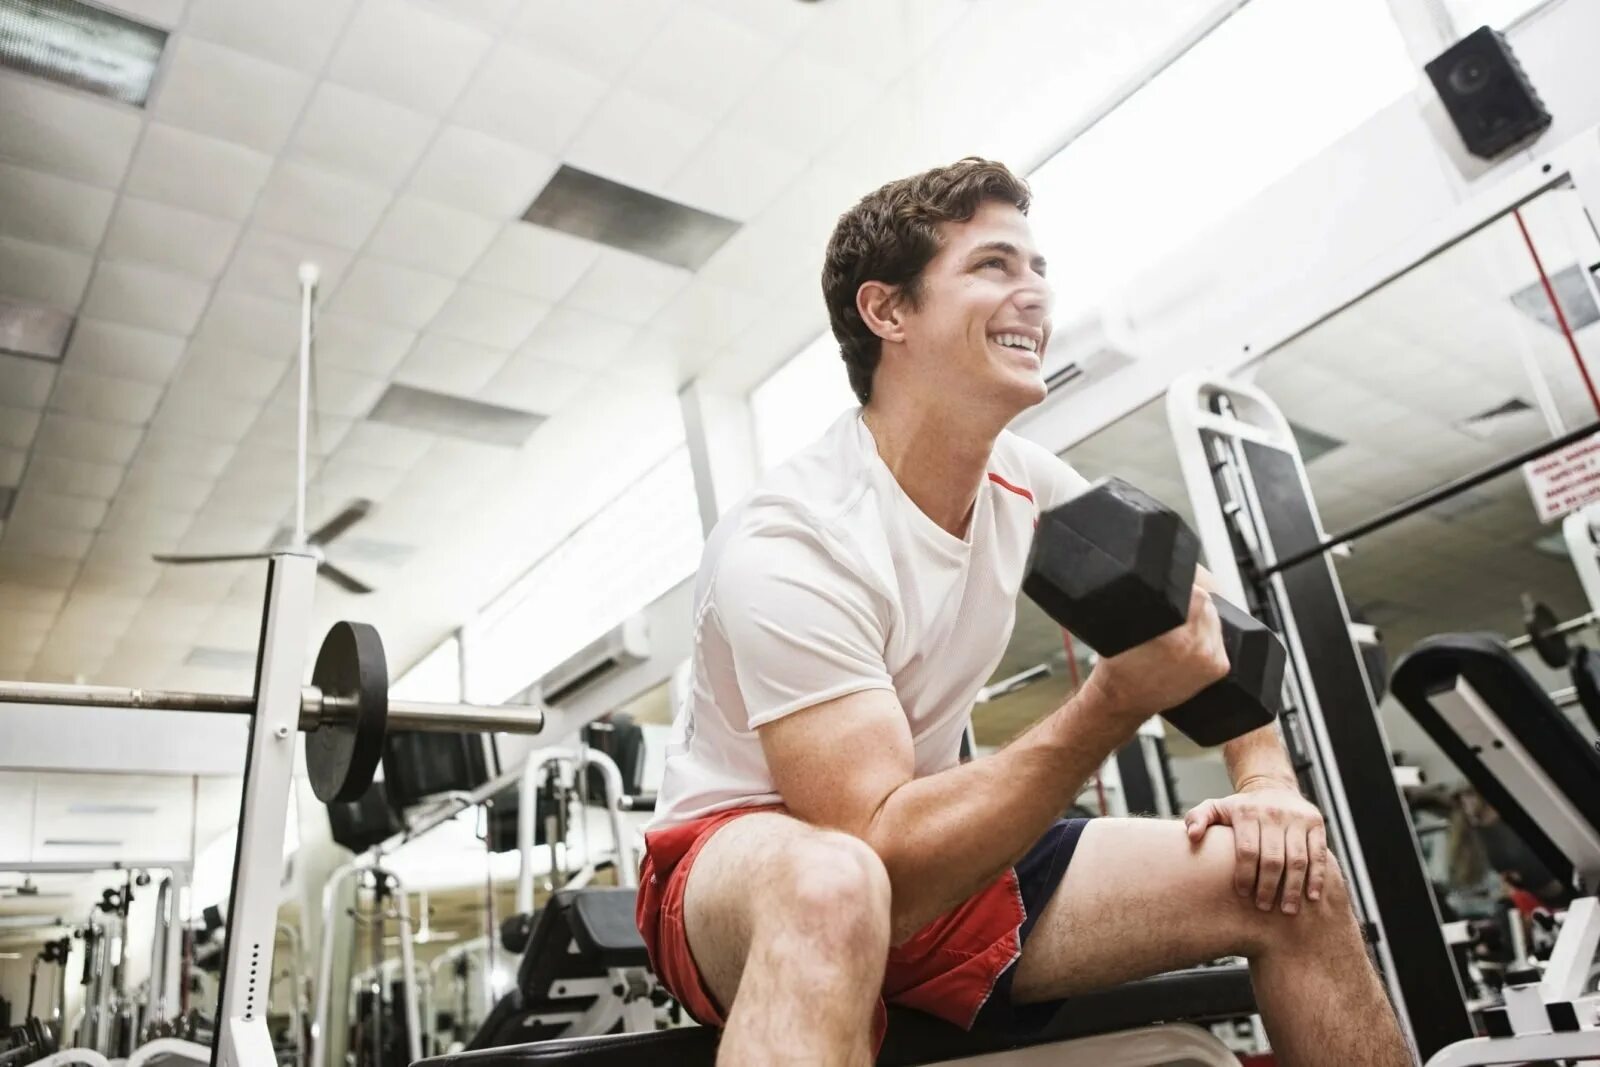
[890,235]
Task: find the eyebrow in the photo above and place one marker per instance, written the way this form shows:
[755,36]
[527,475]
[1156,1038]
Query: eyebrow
[1010,249]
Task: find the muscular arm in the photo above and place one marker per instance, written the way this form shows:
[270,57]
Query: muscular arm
[848,764]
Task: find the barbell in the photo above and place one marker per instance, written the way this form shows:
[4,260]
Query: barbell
[345,712]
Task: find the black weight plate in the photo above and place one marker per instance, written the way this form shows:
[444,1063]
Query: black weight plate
[1552,647]
[342,757]
[1586,680]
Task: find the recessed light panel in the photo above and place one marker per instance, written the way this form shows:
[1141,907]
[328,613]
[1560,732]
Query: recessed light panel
[81,46]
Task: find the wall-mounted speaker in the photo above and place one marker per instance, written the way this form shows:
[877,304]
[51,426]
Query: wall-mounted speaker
[1488,96]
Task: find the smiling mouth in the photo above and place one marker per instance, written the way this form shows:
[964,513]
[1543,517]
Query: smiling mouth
[1017,342]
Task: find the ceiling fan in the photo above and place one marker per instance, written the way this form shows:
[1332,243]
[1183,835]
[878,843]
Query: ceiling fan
[311,544]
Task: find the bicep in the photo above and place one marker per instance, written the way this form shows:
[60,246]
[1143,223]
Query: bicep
[837,762]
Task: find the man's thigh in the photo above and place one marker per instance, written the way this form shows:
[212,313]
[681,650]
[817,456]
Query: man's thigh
[1138,899]
[744,864]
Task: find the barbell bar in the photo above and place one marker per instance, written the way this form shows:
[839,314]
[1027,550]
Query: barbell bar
[345,712]
[316,707]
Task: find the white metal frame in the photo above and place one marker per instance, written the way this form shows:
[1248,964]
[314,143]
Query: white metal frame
[332,891]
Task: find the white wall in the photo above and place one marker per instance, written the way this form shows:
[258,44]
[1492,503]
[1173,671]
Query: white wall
[114,741]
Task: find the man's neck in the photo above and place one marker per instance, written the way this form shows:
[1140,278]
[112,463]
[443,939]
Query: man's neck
[939,462]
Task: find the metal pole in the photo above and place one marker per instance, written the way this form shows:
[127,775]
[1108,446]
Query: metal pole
[308,287]
[316,707]
[408,971]
[1582,622]
[1431,497]
[324,988]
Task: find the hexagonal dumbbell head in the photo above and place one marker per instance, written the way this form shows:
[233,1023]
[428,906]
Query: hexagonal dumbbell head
[1113,565]
[1250,696]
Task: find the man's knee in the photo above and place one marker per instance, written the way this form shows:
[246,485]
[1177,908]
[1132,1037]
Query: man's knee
[839,889]
[1317,922]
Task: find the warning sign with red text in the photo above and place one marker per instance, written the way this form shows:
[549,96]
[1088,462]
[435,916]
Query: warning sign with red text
[1566,480]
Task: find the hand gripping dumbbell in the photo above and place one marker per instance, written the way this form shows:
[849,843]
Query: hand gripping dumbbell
[1116,567]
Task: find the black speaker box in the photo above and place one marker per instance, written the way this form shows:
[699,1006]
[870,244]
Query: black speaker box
[420,765]
[1488,96]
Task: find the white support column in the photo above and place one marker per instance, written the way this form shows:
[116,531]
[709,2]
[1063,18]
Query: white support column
[722,448]
[242,1039]
[1425,26]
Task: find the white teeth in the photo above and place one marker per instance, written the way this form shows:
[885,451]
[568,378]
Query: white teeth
[1016,340]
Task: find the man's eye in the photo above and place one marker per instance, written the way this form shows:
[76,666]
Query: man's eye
[996,262]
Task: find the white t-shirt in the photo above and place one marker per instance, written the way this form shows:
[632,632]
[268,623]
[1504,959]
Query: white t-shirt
[827,579]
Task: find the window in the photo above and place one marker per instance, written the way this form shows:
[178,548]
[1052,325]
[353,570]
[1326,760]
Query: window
[1265,92]
[435,677]
[1468,15]
[799,401]
[633,550]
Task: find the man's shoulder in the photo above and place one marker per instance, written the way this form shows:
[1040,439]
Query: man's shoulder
[1029,466]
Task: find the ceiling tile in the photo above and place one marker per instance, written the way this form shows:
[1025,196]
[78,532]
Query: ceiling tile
[701,62]
[232,373]
[66,133]
[428,235]
[144,296]
[637,140]
[627,287]
[361,345]
[408,54]
[708,313]
[489,317]
[227,94]
[18,426]
[122,351]
[447,365]
[25,383]
[601,36]
[37,508]
[320,206]
[361,136]
[267,264]
[215,531]
[196,585]
[878,40]
[21,568]
[382,445]
[106,399]
[391,294]
[191,170]
[291,33]
[51,542]
[157,488]
[735,176]
[278,429]
[119,579]
[533,385]
[210,418]
[20,599]
[38,207]
[184,452]
[342,478]
[802,103]
[781,22]
[582,340]
[181,241]
[529,99]
[240,322]
[76,477]
[476,172]
[92,440]
[12,463]
[535,261]
[49,275]
[344,393]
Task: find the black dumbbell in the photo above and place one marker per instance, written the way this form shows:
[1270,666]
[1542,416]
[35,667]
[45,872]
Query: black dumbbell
[1116,567]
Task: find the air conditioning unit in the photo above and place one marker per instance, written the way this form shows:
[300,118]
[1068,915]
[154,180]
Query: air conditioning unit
[1091,347]
[622,647]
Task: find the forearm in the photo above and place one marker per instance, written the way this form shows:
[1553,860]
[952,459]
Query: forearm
[1259,756]
[946,836]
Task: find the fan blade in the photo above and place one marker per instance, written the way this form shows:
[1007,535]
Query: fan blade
[235,558]
[341,579]
[353,513]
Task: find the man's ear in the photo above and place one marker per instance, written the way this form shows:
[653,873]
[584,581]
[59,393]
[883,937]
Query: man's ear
[880,307]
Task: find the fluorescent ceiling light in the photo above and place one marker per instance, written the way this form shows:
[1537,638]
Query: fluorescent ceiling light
[81,46]
[32,330]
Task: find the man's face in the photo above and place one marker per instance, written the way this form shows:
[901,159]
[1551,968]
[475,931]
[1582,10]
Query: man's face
[984,316]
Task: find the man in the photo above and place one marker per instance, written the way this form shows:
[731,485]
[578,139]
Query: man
[818,847]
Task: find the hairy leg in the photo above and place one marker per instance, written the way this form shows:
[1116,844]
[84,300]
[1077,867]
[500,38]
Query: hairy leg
[1140,899]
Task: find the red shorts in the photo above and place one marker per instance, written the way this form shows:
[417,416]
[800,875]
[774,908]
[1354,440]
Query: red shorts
[958,967]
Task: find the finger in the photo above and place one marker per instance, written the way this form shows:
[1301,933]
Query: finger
[1296,848]
[1202,816]
[1317,854]
[1246,855]
[1270,875]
